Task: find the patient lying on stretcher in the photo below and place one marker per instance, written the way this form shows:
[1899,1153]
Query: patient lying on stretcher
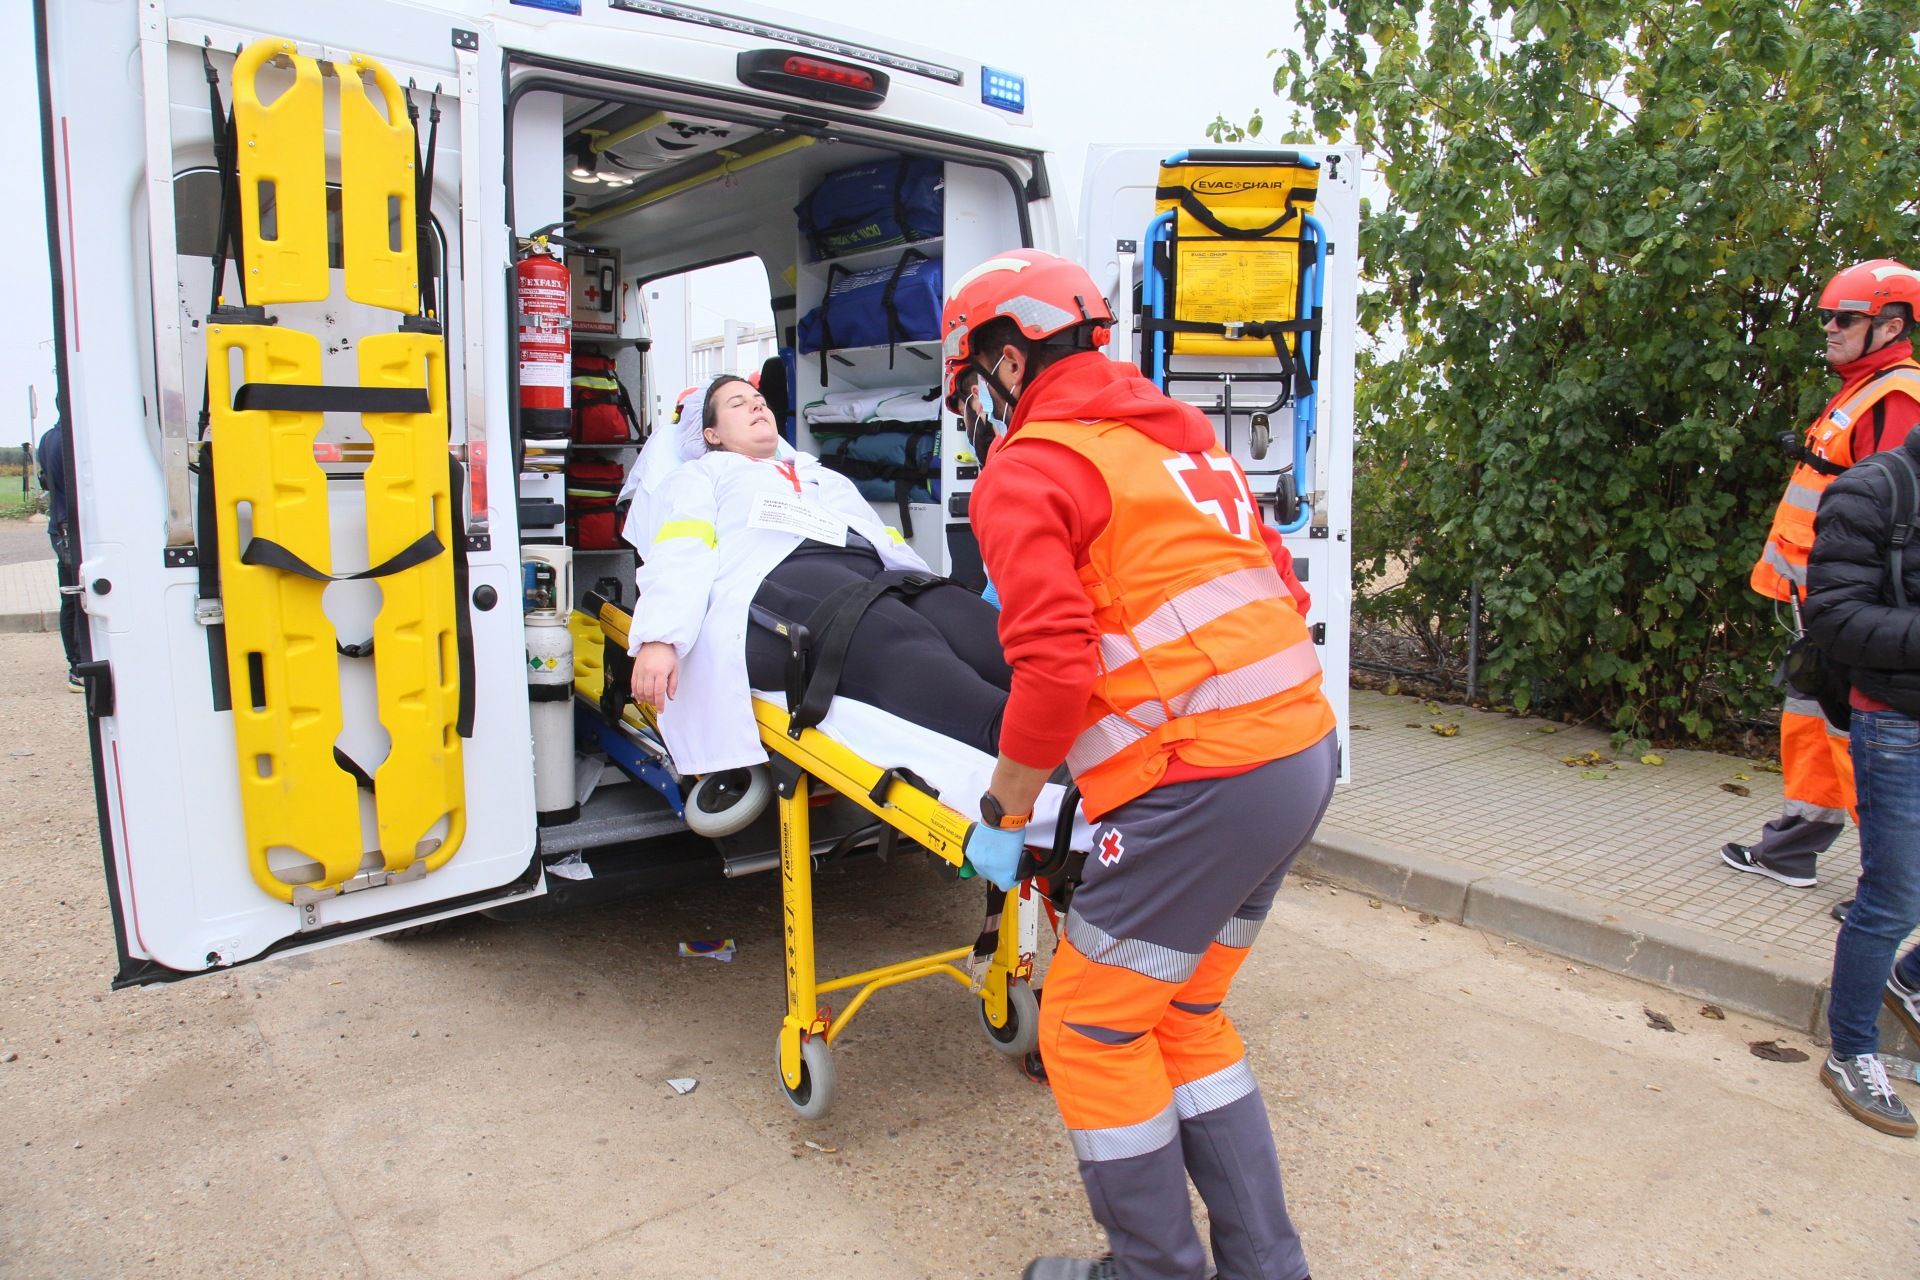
[733,518]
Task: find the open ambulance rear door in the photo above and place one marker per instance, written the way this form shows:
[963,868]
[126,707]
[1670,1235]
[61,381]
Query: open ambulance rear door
[302,751]
[1233,275]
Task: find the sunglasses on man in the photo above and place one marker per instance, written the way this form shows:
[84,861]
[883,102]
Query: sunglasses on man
[1845,319]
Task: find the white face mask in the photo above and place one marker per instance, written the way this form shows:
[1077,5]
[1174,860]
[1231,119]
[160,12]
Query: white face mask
[985,405]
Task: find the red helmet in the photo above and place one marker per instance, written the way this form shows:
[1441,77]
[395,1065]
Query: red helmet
[1870,286]
[1046,296]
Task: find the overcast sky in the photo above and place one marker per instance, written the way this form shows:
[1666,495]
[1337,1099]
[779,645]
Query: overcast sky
[1113,71]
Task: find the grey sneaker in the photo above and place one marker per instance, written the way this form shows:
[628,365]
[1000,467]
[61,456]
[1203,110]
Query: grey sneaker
[1862,1087]
[1905,1003]
[1796,871]
[1071,1269]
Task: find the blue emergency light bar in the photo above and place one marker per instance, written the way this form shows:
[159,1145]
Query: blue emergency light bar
[1003,89]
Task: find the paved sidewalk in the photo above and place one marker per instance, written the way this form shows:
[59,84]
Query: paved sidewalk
[1615,865]
[30,596]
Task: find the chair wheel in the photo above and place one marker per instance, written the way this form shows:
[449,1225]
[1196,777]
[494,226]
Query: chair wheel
[814,1096]
[1022,1031]
[724,803]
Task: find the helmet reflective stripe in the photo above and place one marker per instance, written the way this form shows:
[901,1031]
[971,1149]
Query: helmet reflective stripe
[1895,269]
[991,264]
[950,345]
[1032,313]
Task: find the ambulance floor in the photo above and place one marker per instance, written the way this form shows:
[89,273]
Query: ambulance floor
[492,1100]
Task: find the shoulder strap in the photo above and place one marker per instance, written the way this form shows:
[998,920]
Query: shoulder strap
[1906,498]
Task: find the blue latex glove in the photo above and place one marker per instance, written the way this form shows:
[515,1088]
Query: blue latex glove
[995,854]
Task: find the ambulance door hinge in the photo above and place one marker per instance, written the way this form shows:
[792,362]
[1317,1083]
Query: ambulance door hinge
[97,677]
[1126,246]
[1319,633]
[464,39]
[479,542]
[308,900]
[181,557]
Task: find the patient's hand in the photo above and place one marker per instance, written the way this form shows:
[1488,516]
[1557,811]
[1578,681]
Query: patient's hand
[656,674]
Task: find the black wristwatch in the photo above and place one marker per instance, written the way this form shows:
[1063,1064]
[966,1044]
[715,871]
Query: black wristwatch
[995,814]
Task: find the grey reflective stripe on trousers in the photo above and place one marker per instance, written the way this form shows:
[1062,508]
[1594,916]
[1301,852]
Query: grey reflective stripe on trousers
[1804,707]
[1274,674]
[1187,612]
[1148,959]
[1813,812]
[1127,1140]
[1796,574]
[1238,933]
[1210,1093]
[1798,495]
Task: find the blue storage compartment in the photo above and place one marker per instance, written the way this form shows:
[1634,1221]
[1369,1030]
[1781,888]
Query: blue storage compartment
[876,307]
[871,206]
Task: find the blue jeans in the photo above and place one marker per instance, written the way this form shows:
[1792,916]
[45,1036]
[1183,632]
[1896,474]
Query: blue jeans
[1886,770]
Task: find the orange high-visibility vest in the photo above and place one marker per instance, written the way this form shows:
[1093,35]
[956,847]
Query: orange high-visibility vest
[1781,571]
[1204,656]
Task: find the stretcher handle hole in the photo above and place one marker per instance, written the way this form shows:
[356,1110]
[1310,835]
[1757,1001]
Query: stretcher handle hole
[263,765]
[393,224]
[269,209]
[257,684]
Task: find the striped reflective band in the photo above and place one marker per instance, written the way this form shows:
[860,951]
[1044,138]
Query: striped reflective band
[1127,1140]
[1794,573]
[1813,812]
[700,529]
[1210,1093]
[894,536]
[1905,380]
[1799,495]
[595,384]
[1192,609]
[1274,674]
[1238,933]
[1804,707]
[1148,959]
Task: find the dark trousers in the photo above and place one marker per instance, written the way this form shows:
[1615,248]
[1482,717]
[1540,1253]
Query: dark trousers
[933,659]
[69,575]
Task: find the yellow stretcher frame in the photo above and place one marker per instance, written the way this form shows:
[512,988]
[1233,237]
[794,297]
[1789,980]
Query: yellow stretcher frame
[1009,1012]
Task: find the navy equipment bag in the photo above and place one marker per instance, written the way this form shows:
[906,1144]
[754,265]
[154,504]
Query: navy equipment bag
[877,307]
[870,206]
[887,461]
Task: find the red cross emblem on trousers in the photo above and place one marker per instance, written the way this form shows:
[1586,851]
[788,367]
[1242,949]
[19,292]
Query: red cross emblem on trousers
[1214,484]
[1110,847]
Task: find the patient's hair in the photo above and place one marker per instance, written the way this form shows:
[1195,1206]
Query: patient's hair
[706,406]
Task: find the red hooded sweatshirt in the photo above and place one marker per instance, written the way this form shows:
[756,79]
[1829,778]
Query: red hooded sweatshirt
[1035,511]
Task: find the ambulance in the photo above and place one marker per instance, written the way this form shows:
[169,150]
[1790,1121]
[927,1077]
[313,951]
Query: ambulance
[333,286]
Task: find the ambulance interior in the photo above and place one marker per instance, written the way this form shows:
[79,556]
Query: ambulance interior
[648,189]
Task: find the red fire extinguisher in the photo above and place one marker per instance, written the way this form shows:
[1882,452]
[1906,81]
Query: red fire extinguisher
[546,341]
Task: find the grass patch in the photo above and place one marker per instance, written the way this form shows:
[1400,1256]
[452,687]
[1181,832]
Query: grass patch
[15,505]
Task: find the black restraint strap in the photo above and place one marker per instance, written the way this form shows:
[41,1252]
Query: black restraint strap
[269,554]
[294,397]
[1206,217]
[462,620]
[206,534]
[832,626]
[1276,331]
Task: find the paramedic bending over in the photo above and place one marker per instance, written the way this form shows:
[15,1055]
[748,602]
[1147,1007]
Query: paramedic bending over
[752,521]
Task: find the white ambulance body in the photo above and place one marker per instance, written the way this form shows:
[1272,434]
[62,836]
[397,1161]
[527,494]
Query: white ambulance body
[719,125]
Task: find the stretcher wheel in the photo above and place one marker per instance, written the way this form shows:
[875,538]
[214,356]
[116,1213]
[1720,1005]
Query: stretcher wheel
[724,803]
[1262,437]
[1022,1031]
[814,1097]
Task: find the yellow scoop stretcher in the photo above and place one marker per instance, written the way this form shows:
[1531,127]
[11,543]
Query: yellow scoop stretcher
[1009,1011]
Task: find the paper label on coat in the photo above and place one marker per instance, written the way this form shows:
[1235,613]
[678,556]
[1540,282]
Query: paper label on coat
[781,514]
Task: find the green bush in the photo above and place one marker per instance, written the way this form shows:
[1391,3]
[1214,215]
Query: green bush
[1594,281]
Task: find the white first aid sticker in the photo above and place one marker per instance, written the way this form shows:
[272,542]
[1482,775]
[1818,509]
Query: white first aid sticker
[781,514]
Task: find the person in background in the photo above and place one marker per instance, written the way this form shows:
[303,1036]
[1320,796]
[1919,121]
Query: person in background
[51,455]
[1868,344]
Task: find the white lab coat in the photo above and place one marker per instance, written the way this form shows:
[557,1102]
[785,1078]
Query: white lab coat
[694,595]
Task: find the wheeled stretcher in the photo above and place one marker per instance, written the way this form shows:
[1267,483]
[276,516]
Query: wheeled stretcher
[901,801]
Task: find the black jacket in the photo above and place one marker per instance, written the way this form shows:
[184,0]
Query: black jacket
[1850,611]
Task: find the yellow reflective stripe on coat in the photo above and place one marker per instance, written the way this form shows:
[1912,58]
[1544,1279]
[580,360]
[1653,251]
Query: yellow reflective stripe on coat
[895,534]
[701,529]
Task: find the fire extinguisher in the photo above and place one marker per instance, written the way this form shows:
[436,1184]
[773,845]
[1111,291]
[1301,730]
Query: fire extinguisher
[545,290]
